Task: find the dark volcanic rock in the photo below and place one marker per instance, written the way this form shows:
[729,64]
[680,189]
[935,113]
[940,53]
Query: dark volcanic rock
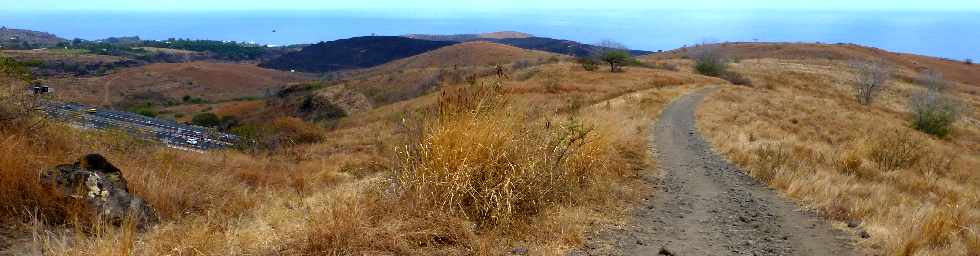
[102,188]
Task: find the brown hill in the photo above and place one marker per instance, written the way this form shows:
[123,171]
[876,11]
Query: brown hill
[410,77]
[467,54]
[505,35]
[954,70]
[470,37]
[169,82]
[26,39]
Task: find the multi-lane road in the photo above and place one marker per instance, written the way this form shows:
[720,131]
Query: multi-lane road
[172,133]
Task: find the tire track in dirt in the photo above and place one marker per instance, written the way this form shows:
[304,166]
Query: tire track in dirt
[703,205]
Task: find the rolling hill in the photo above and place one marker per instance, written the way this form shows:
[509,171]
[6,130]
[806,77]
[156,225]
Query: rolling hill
[951,69]
[470,37]
[352,53]
[526,41]
[798,129]
[467,54]
[403,79]
[169,82]
[26,39]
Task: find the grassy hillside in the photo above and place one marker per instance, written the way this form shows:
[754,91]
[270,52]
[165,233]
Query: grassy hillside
[525,41]
[801,130]
[161,83]
[470,37]
[952,69]
[466,55]
[11,38]
[407,78]
[412,168]
[362,191]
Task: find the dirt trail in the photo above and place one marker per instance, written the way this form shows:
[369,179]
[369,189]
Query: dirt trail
[702,205]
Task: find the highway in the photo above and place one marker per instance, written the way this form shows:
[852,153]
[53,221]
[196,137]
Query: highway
[171,133]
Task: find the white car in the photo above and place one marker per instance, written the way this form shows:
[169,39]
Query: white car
[192,141]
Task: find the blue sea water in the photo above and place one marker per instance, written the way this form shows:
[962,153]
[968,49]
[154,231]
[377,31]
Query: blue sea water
[948,34]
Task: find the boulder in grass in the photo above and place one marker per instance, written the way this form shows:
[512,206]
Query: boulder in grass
[102,189]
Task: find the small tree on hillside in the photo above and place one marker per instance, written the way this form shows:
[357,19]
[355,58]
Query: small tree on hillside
[934,112]
[872,77]
[613,53]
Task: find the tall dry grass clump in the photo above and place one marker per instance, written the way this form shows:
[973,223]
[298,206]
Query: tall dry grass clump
[482,160]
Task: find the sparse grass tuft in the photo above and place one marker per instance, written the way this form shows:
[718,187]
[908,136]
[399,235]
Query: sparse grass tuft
[896,149]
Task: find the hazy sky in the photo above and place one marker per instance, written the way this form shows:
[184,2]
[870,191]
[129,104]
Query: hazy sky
[481,5]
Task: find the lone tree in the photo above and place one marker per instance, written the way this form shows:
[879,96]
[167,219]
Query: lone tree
[872,77]
[613,53]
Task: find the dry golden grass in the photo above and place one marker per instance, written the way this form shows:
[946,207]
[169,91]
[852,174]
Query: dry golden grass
[802,131]
[339,196]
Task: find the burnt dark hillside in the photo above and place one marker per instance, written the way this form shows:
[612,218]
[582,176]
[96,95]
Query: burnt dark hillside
[352,53]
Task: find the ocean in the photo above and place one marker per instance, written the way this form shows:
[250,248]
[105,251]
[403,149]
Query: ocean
[954,35]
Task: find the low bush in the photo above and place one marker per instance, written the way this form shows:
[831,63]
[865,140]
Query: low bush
[589,64]
[896,149]
[934,112]
[281,132]
[479,161]
[709,60]
[736,78]
[206,120]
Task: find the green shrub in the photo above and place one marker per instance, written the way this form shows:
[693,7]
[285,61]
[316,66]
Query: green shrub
[589,64]
[206,120]
[146,111]
[934,113]
[709,60]
[711,68]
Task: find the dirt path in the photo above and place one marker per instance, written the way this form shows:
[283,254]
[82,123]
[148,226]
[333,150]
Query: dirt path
[702,205]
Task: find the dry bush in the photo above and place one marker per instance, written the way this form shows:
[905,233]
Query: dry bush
[872,78]
[896,149]
[736,78]
[282,132]
[483,162]
[770,160]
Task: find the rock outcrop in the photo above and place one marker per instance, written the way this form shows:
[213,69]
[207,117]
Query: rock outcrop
[102,189]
